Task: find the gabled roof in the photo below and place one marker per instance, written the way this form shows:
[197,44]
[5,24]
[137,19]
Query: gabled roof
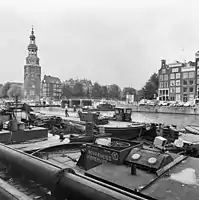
[190,63]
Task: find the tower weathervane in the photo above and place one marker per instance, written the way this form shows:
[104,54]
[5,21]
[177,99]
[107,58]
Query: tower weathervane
[32,30]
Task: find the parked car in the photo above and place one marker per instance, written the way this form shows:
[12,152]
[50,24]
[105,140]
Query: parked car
[180,104]
[173,103]
[163,103]
[153,102]
[189,104]
[143,102]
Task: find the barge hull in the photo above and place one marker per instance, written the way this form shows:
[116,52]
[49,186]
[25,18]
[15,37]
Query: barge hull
[165,109]
[128,133]
[63,183]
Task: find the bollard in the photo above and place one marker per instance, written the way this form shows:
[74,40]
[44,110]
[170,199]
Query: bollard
[133,169]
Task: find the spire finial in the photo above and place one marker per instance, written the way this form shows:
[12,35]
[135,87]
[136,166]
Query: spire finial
[32,30]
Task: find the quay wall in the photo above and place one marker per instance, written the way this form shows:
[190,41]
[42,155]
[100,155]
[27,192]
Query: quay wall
[164,109]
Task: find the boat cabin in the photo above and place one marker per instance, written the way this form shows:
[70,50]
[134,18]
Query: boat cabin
[151,173]
[123,114]
[93,117]
[18,127]
[105,106]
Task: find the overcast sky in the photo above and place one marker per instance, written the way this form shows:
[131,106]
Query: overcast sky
[108,41]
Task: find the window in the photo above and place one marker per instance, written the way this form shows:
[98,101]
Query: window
[161,84]
[191,97]
[177,75]
[178,83]
[172,76]
[172,98]
[185,98]
[166,77]
[198,91]
[191,82]
[184,82]
[166,84]
[161,77]
[163,71]
[198,63]
[177,97]
[198,71]
[26,70]
[184,89]
[177,89]
[191,74]
[32,92]
[185,75]
[191,89]
[175,70]
[172,83]
[172,90]
[163,92]
[163,98]
[198,80]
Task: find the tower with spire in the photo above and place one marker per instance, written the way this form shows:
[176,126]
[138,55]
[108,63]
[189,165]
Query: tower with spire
[32,71]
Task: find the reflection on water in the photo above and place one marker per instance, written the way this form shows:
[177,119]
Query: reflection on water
[176,119]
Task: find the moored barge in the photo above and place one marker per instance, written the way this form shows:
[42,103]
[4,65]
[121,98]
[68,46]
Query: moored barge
[148,172]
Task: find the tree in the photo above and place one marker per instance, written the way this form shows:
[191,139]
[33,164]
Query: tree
[151,87]
[114,92]
[16,92]
[88,93]
[96,91]
[4,90]
[66,91]
[104,91]
[128,91]
[77,90]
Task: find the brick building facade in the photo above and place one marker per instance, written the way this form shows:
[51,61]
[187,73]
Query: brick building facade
[32,71]
[179,81]
[51,87]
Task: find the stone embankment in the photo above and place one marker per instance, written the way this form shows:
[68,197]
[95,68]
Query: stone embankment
[164,109]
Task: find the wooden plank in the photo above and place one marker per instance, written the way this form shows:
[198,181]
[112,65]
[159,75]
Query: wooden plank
[39,145]
[170,165]
[161,171]
[10,190]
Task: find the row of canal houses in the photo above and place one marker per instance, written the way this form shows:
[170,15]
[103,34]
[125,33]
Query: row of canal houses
[179,81]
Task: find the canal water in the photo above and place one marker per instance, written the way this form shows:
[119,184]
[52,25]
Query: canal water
[176,119]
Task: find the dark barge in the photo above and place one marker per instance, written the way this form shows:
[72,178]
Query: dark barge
[132,167]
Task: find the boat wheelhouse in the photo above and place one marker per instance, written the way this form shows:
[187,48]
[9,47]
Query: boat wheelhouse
[123,114]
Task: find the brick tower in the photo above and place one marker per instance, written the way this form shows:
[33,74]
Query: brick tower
[32,71]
